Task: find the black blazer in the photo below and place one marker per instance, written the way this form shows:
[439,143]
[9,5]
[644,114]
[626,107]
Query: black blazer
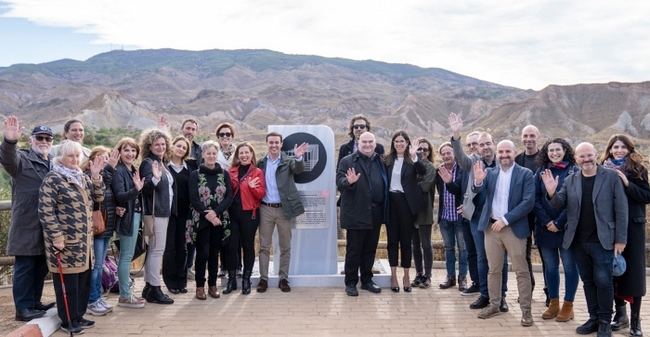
[161,190]
[125,195]
[356,200]
[409,178]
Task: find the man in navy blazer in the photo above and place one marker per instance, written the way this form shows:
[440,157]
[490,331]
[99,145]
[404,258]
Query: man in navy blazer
[510,196]
[596,230]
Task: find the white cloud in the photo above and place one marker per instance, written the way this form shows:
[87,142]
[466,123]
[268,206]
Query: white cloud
[527,44]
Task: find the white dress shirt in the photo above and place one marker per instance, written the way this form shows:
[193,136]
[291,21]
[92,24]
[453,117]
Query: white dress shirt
[501,194]
[396,176]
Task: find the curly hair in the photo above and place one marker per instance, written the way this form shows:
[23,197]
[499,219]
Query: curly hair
[235,159]
[634,162]
[392,155]
[149,137]
[430,155]
[356,118]
[542,157]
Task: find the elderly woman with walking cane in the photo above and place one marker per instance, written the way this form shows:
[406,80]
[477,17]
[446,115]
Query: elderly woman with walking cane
[65,210]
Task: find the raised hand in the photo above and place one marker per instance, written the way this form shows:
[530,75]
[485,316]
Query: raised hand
[550,182]
[114,158]
[413,150]
[352,176]
[119,211]
[298,151]
[137,181]
[156,169]
[455,124]
[445,174]
[254,183]
[479,173]
[12,128]
[96,167]
[163,124]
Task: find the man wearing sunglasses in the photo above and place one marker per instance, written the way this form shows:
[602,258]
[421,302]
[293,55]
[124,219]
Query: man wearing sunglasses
[27,168]
[358,125]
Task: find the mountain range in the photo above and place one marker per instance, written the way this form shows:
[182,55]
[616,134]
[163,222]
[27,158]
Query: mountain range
[255,88]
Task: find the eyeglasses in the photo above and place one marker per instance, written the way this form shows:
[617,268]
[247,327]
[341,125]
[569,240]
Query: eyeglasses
[421,149]
[43,138]
[224,134]
[472,144]
[359,126]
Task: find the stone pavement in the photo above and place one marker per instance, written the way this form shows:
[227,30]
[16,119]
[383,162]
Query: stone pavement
[329,312]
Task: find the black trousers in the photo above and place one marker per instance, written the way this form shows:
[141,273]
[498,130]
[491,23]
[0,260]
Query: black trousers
[360,249]
[399,230]
[77,288]
[29,275]
[174,272]
[246,225]
[422,250]
[208,245]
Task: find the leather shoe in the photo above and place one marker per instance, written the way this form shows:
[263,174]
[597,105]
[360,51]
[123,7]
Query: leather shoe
[44,307]
[590,326]
[462,284]
[449,282]
[604,329]
[85,323]
[469,291]
[371,287]
[526,318]
[262,285]
[489,311]
[351,290]
[480,303]
[173,290]
[213,291]
[284,285]
[200,294]
[26,315]
[503,307]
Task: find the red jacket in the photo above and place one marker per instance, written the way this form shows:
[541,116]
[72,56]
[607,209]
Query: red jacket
[250,197]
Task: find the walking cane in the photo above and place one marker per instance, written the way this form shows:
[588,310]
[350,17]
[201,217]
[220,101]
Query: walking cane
[65,294]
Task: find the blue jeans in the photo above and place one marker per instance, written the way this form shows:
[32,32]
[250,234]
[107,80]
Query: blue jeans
[127,248]
[452,236]
[595,267]
[100,247]
[482,264]
[29,275]
[551,257]
[471,252]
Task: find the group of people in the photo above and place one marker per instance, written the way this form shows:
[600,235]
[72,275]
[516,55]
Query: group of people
[492,202]
[188,204]
[182,202]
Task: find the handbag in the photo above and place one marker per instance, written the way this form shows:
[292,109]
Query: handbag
[99,221]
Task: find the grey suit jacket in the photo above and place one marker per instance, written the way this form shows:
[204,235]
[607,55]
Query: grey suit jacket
[465,162]
[610,207]
[521,199]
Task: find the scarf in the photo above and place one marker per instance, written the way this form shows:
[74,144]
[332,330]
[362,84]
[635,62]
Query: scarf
[559,165]
[615,164]
[228,152]
[75,175]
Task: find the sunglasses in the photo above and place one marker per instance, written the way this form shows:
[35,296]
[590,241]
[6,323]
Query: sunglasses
[359,126]
[423,150]
[43,138]
[224,134]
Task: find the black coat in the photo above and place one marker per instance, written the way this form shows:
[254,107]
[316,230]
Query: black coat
[415,197]
[347,149]
[356,200]
[158,191]
[125,195]
[632,282]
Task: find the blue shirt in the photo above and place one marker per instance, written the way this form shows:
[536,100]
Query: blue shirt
[272,195]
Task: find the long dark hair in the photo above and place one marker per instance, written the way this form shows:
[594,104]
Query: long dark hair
[392,155]
[542,157]
[634,162]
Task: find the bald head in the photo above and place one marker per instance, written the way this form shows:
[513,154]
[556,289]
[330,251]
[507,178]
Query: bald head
[506,154]
[529,137]
[367,144]
[585,155]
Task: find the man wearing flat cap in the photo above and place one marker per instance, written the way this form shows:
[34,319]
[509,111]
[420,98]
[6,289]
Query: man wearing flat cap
[27,168]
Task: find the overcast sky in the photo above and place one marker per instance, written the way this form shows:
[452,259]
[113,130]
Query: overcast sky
[525,44]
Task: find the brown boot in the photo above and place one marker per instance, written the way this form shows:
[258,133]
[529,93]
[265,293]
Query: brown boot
[213,291]
[200,293]
[566,313]
[552,310]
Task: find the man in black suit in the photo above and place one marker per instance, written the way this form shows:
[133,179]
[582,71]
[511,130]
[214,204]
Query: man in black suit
[596,230]
[361,178]
[358,125]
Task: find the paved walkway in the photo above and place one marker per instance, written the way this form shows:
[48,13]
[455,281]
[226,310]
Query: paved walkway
[329,312]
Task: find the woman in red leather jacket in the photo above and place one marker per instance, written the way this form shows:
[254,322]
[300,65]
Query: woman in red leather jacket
[247,182]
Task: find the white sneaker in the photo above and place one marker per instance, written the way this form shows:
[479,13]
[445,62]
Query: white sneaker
[105,304]
[96,309]
[131,302]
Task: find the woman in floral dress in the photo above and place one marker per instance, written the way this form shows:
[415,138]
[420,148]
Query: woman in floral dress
[210,195]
